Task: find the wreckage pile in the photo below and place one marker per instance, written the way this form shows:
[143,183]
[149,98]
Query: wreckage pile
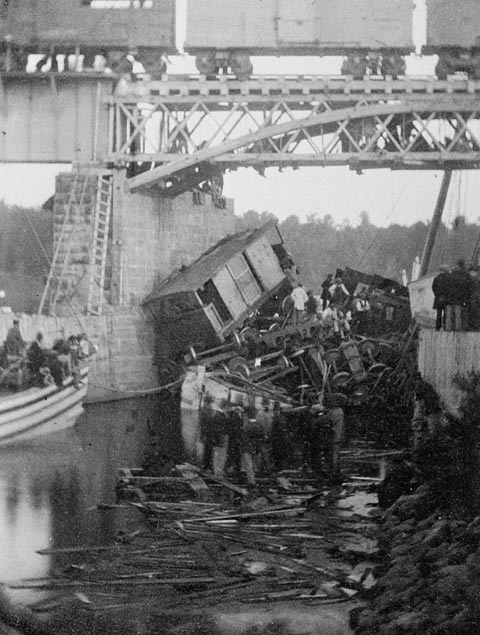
[294,544]
[298,364]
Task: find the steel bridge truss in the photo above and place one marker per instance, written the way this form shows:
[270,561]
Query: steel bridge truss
[174,135]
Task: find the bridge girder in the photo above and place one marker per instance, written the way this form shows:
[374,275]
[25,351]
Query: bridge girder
[181,131]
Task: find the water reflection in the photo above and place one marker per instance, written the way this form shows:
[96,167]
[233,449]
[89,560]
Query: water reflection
[49,488]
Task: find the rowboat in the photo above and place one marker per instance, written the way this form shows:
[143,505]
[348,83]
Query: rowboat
[37,411]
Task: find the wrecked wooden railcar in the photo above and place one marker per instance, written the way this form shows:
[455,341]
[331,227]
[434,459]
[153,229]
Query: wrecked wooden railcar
[389,299]
[206,301]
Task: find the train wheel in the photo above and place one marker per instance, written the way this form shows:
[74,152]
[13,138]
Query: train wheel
[355,65]
[393,65]
[154,62]
[239,365]
[444,67]
[206,64]
[340,380]
[241,66]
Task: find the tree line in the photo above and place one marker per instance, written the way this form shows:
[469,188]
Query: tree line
[23,265]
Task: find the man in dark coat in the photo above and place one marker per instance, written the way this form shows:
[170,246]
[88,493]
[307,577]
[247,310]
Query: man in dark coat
[326,284]
[440,291]
[14,344]
[459,295]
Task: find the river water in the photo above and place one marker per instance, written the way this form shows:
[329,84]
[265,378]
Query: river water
[49,488]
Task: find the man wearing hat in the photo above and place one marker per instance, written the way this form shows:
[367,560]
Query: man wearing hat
[440,292]
[299,297]
[14,344]
[338,293]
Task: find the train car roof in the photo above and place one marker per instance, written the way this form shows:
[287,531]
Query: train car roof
[210,262]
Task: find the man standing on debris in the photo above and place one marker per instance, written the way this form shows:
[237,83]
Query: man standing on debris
[338,293]
[251,432]
[326,284]
[299,297]
[361,314]
[264,422]
[311,306]
[219,431]
[279,438]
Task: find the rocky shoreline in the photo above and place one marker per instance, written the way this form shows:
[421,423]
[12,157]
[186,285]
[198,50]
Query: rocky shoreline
[429,538]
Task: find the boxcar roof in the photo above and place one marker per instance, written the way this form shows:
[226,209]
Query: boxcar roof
[209,263]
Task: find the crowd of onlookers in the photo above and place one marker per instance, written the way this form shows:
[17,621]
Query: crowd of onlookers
[241,443]
[456,291]
[23,364]
[338,310]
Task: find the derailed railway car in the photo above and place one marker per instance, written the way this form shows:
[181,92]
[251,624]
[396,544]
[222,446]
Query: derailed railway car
[204,303]
[90,28]
[374,35]
[453,33]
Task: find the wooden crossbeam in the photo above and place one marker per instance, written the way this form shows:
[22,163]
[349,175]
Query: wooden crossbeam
[149,178]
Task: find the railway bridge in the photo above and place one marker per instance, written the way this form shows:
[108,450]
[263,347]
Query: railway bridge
[165,132]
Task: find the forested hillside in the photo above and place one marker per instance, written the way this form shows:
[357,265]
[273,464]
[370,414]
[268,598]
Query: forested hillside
[319,245]
[23,266]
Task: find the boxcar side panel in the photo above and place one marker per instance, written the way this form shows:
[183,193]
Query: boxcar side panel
[299,26]
[265,263]
[453,23]
[72,22]
[367,24]
[213,24]
[230,293]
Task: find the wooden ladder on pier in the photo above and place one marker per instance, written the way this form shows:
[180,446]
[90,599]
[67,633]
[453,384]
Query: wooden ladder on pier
[98,255]
[59,266]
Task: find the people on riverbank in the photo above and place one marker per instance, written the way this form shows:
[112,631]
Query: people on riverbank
[457,298]
[14,342]
[440,291]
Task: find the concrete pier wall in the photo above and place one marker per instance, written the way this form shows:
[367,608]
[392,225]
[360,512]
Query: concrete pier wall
[153,236]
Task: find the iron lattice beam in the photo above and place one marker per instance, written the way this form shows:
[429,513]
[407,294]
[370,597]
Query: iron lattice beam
[173,133]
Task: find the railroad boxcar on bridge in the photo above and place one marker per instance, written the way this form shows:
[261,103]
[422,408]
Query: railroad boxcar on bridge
[89,28]
[372,34]
[453,33]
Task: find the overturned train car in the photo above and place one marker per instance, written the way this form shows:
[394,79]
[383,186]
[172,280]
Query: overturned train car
[200,306]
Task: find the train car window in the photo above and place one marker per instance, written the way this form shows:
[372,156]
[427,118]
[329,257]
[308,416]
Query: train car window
[118,4]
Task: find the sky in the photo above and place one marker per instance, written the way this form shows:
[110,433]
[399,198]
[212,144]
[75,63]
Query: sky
[402,197]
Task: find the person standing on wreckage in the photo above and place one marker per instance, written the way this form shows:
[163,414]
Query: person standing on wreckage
[299,297]
[219,440]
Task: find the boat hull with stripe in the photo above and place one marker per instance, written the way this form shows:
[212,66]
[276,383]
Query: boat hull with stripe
[38,411]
